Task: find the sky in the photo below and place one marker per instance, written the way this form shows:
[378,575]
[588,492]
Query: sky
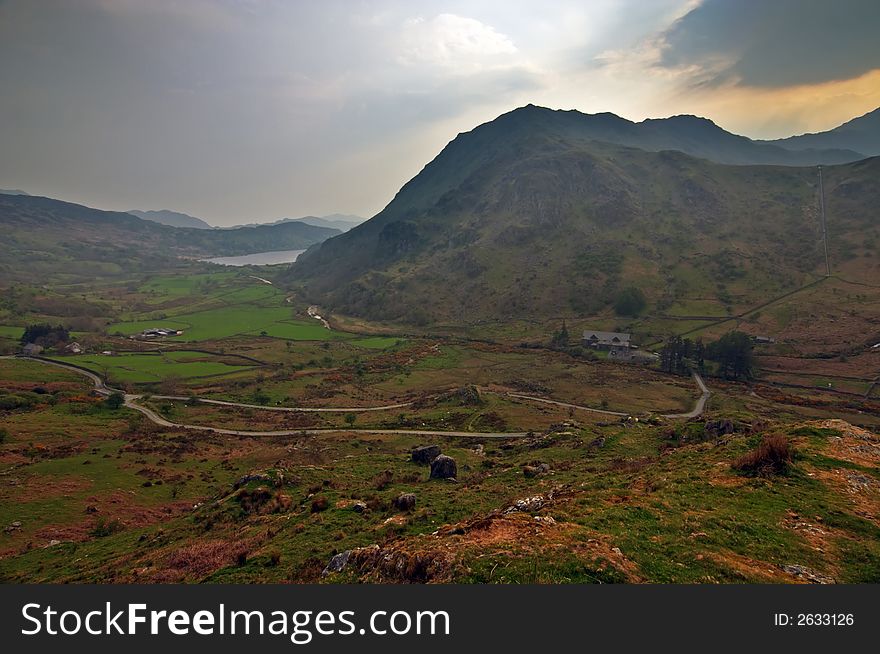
[240,111]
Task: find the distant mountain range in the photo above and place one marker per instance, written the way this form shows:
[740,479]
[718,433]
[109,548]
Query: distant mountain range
[4,191]
[43,234]
[342,222]
[172,218]
[542,213]
[861,134]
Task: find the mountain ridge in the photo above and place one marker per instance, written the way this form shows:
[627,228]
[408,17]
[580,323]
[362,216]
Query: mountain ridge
[171,218]
[523,217]
[862,131]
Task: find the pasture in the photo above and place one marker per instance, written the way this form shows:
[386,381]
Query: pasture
[148,367]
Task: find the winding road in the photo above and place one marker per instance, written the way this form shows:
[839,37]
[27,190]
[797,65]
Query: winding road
[696,412]
[131,403]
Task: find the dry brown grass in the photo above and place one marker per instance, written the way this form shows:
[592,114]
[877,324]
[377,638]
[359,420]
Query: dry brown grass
[772,456]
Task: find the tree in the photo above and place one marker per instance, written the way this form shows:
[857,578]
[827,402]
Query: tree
[115,400]
[45,335]
[630,302]
[350,419]
[560,337]
[733,353]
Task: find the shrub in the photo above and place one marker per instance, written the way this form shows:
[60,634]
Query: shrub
[772,456]
[383,479]
[107,528]
[630,302]
[115,400]
[320,504]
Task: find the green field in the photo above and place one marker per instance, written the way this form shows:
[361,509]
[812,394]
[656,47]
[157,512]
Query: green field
[11,332]
[154,367]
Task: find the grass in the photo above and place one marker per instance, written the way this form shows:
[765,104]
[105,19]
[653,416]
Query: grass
[7,331]
[149,367]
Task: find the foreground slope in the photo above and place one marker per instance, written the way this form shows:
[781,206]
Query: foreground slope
[523,218]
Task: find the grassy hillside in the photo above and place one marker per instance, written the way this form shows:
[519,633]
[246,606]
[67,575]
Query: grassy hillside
[41,234]
[514,221]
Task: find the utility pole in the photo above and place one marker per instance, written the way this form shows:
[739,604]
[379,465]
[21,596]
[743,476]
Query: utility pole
[824,224]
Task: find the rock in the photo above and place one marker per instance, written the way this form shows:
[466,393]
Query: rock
[443,467]
[527,504]
[804,572]
[91,509]
[337,563]
[536,469]
[470,395]
[425,454]
[598,442]
[262,478]
[718,428]
[359,507]
[405,502]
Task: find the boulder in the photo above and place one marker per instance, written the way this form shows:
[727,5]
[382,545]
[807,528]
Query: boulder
[470,395]
[405,502]
[359,507]
[337,563]
[443,467]
[718,428]
[425,454]
[535,469]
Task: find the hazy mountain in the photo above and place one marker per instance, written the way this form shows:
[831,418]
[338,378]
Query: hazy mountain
[526,217]
[861,134]
[342,222]
[42,234]
[4,191]
[172,218]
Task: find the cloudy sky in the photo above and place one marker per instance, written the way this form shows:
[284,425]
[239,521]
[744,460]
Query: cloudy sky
[250,110]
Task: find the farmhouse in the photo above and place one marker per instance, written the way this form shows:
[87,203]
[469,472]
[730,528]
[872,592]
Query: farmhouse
[158,332]
[632,355]
[32,349]
[73,348]
[606,340]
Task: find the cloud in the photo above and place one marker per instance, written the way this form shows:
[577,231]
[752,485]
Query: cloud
[773,44]
[448,40]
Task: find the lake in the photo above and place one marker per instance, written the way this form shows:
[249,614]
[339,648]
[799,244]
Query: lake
[259,258]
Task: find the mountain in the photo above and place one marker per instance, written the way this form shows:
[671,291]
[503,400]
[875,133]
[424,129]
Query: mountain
[862,134]
[692,135]
[44,235]
[4,191]
[342,222]
[172,218]
[525,217]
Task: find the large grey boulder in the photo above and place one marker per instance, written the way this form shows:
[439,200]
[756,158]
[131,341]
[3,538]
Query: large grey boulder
[443,467]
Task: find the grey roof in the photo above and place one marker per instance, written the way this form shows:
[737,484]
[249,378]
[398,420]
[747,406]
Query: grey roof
[606,337]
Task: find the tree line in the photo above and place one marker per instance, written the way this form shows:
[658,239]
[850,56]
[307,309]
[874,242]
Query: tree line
[732,354]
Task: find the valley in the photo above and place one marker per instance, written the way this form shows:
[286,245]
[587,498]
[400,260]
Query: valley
[167,419]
